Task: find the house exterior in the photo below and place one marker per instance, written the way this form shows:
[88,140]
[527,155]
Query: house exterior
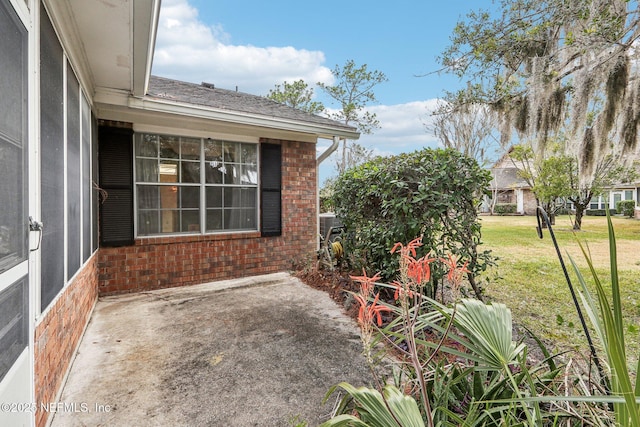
[116,181]
[509,188]
[611,196]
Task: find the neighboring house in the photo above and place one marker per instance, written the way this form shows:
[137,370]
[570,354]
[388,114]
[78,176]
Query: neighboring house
[615,194]
[115,181]
[506,187]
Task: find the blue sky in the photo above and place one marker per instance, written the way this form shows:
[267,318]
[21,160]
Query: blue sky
[255,45]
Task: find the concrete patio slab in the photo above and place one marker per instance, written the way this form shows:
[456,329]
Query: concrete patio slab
[258,351]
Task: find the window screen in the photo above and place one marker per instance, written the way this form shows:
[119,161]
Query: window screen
[87,201]
[74,168]
[14,322]
[52,164]
[13,137]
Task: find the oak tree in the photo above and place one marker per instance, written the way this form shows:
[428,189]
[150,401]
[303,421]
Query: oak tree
[552,67]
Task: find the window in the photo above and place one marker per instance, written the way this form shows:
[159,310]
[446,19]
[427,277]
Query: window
[193,185]
[13,140]
[65,170]
[52,64]
[599,202]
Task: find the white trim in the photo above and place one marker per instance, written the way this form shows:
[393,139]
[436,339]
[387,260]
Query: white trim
[12,275]
[238,117]
[81,175]
[35,206]
[190,133]
[65,174]
[22,10]
[92,215]
[202,185]
[143,36]
[18,382]
[113,101]
[35,191]
[519,201]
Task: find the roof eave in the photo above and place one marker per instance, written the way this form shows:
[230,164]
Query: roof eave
[146,15]
[239,117]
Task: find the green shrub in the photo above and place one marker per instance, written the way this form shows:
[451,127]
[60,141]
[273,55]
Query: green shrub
[433,193]
[505,208]
[626,207]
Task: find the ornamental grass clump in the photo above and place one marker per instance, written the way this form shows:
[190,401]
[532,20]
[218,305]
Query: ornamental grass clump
[606,317]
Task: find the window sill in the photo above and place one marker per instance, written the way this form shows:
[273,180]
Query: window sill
[181,238]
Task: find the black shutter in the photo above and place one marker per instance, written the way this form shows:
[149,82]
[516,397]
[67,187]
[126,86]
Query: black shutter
[115,165]
[270,189]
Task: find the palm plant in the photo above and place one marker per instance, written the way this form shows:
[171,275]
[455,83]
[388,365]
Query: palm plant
[391,408]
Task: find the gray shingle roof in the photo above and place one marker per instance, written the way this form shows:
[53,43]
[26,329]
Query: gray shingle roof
[206,95]
[508,178]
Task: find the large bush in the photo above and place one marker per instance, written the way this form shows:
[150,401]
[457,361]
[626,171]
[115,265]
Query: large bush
[505,208]
[433,193]
[599,212]
[626,207]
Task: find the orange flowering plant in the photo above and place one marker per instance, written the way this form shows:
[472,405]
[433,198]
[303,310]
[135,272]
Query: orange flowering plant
[454,364]
[415,274]
[368,312]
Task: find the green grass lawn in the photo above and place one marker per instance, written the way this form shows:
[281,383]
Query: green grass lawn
[529,279]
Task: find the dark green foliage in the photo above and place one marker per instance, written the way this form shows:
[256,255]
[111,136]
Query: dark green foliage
[505,208]
[599,212]
[434,193]
[626,207]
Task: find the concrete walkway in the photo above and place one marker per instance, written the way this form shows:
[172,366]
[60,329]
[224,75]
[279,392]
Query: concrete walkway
[251,352]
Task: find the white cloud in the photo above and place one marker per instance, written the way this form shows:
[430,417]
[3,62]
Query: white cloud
[401,131]
[191,50]
[401,127]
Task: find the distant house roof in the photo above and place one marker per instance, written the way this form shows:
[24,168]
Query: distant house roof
[505,173]
[507,178]
[210,97]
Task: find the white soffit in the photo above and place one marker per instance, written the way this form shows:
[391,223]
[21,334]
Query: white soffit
[117,38]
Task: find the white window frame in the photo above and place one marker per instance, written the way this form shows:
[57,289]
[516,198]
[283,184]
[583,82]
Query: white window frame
[202,185]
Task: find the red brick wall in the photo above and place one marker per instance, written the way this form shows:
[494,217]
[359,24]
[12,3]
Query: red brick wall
[58,333]
[530,203]
[161,262]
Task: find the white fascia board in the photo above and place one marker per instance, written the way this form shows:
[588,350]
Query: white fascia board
[239,117]
[145,14]
[109,96]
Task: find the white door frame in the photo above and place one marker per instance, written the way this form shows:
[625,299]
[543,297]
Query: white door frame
[519,200]
[17,394]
